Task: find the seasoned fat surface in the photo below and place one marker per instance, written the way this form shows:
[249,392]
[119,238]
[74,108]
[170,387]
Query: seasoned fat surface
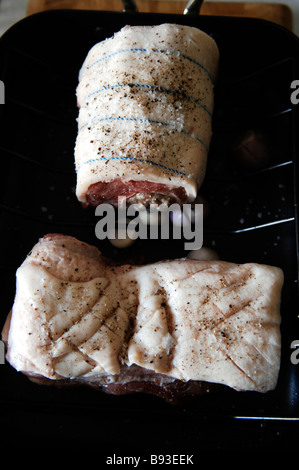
[191,320]
[146,98]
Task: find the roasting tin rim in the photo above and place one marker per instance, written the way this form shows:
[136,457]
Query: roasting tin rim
[5,40]
[164,17]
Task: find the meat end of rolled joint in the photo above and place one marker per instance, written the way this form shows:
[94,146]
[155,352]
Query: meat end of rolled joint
[145,98]
[134,192]
[170,328]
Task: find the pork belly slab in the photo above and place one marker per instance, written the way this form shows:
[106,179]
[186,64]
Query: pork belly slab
[145,98]
[170,327]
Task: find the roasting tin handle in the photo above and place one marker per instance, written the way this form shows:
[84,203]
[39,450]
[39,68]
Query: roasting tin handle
[129,6]
[192,7]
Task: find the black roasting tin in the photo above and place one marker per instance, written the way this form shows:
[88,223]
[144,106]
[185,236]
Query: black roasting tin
[252,216]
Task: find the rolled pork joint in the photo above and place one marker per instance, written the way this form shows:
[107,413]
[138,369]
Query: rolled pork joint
[145,98]
[171,328]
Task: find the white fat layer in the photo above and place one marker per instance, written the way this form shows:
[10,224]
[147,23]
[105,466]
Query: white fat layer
[188,319]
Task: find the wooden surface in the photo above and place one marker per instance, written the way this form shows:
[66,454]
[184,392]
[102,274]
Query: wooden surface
[278,13]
